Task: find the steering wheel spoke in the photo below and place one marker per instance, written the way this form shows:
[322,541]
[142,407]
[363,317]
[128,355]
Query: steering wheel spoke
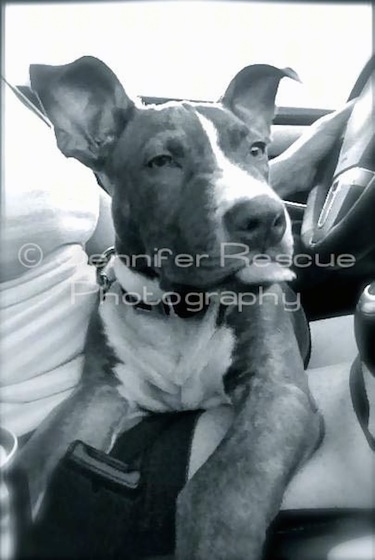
[342,200]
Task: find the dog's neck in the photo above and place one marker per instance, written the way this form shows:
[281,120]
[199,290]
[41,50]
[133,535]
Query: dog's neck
[134,281]
[148,292]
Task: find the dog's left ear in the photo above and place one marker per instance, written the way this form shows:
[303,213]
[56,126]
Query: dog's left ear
[252,92]
[87,106]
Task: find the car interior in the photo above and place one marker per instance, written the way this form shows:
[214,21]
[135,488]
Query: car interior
[336,217]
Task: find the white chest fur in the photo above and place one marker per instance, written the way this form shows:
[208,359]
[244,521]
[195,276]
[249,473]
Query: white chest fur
[167,363]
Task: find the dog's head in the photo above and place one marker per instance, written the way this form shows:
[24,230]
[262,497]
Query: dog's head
[186,178]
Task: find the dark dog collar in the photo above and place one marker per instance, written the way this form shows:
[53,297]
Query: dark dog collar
[105,279]
[181,309]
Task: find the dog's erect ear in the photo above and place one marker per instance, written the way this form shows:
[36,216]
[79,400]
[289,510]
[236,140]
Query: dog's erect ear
[87,106]
[252,92]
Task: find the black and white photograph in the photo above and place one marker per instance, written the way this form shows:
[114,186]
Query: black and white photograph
[187,280]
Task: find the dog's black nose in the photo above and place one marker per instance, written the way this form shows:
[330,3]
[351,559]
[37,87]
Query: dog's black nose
[259,222]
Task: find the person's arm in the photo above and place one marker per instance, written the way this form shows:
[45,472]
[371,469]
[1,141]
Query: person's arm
[104,234]
[294,170]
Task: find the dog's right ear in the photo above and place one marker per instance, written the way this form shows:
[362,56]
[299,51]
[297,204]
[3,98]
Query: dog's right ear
[87,106]
[251,94]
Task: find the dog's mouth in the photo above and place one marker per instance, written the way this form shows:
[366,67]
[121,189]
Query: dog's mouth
[255,273]
[224,263]
[183,272]
[267,272]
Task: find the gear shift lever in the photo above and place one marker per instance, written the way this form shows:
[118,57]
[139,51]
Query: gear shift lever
[364,366]
[364,326]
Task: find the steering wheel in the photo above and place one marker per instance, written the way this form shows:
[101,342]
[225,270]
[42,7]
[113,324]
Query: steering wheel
[340,209]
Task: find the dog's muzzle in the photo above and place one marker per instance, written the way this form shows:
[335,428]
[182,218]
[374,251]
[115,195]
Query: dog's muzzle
[259,223]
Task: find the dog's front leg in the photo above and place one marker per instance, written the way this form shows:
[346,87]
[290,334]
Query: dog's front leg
[225,509]
[95,414]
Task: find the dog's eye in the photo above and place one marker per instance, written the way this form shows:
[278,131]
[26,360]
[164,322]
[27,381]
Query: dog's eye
[258,149]
[163,160]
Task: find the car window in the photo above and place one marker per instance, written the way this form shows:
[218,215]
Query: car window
[192,49]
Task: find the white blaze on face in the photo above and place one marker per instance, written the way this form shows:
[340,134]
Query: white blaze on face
[233,184]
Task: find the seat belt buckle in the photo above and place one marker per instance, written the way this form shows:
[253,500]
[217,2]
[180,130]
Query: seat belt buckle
[100,467]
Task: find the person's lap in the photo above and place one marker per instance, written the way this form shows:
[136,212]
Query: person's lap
[339,473]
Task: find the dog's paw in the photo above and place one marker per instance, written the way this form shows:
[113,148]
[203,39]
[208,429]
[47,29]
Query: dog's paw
[211,524]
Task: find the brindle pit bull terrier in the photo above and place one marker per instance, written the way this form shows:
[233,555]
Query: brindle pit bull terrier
[190,199]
